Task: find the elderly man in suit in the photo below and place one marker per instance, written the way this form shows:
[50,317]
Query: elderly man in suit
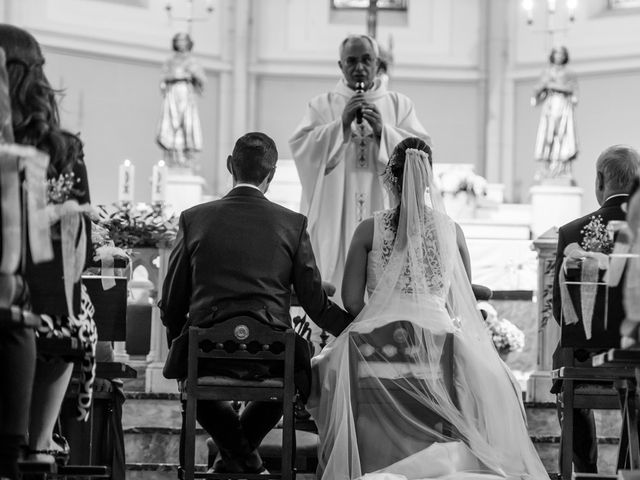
[241,254]
[616,168]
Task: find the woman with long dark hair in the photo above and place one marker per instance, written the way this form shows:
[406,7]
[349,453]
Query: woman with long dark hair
[54,287]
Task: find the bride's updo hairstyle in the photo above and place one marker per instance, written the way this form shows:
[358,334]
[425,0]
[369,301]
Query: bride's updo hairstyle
[394,172]
[34,110]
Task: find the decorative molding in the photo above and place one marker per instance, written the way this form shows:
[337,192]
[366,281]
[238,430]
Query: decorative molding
[120,51]
[597,66]
[436,33]
[136,31]
[323,69]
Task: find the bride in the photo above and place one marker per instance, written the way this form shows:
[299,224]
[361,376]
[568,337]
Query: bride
[414,388]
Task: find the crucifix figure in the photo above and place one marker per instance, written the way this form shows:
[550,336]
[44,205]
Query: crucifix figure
[372,18]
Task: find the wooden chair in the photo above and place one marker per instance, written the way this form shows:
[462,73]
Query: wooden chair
[586,387]
[239,339]
[389,346]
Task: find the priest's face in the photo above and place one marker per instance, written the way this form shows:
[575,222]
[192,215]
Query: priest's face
[358,63]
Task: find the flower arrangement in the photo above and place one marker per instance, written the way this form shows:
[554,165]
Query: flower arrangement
[595,237]
[130,227]
[506,336]
[457,181]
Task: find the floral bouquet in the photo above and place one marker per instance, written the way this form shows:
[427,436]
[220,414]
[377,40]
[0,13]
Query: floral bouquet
[506,336]
[134,227]
[457,181]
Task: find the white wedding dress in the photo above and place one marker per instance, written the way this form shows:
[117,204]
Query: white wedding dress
[413,388]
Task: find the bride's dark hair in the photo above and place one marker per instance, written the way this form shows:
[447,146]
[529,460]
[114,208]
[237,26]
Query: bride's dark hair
[34,110]
[394,172]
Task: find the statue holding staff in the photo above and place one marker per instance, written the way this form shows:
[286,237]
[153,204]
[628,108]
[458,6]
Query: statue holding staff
[556,143]
[179,133]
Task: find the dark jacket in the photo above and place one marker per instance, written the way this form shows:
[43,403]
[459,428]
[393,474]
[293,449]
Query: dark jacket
[574,334]
[241,254]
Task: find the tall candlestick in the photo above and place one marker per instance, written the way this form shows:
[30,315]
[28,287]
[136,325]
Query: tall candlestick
[126,182]
[159,182]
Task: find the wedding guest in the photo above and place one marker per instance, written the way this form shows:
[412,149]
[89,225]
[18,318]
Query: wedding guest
[256,250]
[179,133]
[616,169]
[54,287]
[17,343]
[631,296]
[341,148]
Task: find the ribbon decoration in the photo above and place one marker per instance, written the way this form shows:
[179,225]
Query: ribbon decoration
[13,160]
[69,214]
[618,259]
[106,255]
[35,168]
[592,263]
[11,212]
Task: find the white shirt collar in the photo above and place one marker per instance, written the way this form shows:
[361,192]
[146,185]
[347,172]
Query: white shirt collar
[616,195]
[250,185]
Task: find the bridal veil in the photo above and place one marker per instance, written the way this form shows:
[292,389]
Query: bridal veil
[414,388]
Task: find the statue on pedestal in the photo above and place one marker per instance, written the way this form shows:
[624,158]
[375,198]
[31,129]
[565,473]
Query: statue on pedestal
[179,132]
[556,144]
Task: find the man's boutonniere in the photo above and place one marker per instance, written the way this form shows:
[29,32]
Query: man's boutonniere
[595,237]
[61,189]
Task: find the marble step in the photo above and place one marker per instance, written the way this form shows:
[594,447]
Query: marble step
[152,425]
[169,471]
[163,410]
[160,445]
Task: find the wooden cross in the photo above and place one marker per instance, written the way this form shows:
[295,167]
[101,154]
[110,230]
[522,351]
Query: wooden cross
[372,18]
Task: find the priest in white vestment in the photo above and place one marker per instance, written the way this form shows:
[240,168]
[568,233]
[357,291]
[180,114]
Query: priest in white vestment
[341,148]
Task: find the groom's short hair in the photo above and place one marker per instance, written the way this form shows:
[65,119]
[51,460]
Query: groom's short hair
[254,156]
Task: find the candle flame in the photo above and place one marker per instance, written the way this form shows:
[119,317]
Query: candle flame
[127,163]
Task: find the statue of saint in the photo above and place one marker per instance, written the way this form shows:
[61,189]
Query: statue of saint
[179,132]
[556,143]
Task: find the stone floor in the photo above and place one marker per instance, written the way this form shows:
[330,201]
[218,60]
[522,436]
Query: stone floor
[151,424]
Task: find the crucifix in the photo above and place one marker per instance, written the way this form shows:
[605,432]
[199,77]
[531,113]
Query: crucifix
[190,18]
[372,18]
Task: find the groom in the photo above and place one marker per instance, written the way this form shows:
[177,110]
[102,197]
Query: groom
[232,255]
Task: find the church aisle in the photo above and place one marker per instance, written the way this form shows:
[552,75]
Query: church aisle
[151,424]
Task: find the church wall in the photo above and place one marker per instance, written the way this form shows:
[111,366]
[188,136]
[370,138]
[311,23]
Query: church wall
[115,105]
[451,113]
[453,126]
[607,114]
[604,49]
[435,63]
[107,56]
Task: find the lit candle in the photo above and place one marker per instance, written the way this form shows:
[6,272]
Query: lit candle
[527,5]
[126,182]
[571,7]
[159,182]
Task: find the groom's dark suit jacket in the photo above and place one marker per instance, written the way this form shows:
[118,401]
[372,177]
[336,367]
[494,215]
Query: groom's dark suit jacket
[241,254]
[601,338]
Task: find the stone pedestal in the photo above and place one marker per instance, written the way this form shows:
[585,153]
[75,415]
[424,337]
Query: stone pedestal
[553,206]
[154,380]
[184,190]
[539,382]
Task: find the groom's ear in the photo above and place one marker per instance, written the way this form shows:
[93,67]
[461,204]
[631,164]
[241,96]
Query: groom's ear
[230,165]
[271,174]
